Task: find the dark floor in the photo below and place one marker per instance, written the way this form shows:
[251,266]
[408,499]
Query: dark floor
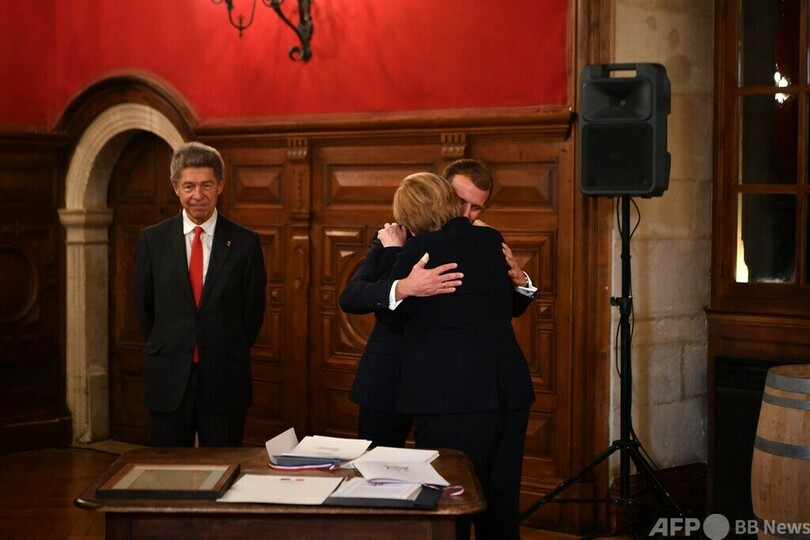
[38,488]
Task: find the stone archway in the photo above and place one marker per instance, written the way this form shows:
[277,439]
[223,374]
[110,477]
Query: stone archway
[86,219]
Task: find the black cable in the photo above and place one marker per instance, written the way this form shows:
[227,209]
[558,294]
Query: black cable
[632,314]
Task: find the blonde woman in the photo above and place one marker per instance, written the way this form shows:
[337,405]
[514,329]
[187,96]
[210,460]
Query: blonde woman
[464,378]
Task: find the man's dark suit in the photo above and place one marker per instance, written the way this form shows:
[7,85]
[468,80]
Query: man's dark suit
[376,383]
[464,377]
[224,327]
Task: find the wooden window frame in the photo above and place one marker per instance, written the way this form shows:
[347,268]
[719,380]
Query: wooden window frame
[727,294]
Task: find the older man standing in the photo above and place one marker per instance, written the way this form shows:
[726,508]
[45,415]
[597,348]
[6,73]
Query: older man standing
[199,289]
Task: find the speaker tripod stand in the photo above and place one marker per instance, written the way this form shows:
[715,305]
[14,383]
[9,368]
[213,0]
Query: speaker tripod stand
[627,445]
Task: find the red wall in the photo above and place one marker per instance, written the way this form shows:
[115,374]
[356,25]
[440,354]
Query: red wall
[368,55]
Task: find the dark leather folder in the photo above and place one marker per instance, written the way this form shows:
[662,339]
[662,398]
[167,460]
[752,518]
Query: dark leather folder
[427,499]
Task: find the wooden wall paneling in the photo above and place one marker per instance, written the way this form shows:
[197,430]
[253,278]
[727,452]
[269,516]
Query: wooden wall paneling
[591,353]
[267,190]
[532,207]
[298,269]
[33,412]
[454,146]
[759,336]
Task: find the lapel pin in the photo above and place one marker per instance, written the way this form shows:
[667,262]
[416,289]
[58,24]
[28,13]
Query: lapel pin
[228,243]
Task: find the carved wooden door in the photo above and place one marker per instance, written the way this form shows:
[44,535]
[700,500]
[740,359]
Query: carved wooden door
[140,195]
[353,186]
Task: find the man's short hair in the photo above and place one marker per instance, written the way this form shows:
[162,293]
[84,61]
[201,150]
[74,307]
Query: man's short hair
[195,154]
[475,171]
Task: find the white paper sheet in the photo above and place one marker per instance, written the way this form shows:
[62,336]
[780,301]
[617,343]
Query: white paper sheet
[329,447]
[388,454]
[262,488]
[281,443]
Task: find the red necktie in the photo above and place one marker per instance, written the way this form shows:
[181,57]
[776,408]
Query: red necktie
[195,274]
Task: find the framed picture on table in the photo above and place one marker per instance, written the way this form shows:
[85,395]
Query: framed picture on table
[167,481]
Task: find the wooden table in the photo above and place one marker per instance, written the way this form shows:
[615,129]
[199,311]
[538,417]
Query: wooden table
[203,519]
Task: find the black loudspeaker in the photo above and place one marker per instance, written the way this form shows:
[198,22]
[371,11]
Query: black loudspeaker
[623,130]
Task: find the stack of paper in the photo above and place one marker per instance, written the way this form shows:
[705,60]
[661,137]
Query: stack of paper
[422,474]
[285,450]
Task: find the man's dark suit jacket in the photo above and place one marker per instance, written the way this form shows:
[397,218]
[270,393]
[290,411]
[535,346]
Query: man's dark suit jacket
[460,354]
[377,380]
[225,326]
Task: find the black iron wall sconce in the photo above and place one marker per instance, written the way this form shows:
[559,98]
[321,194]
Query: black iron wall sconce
[303,30]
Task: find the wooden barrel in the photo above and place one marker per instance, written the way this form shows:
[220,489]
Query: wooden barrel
[780,472]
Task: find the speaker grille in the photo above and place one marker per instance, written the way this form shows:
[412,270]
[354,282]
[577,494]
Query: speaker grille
[617,159]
